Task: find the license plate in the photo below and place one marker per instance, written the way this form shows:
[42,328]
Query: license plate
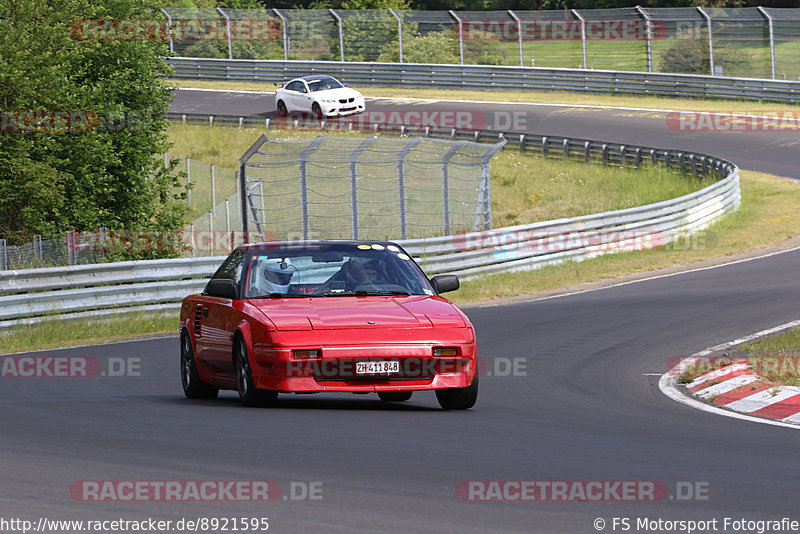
[377,368]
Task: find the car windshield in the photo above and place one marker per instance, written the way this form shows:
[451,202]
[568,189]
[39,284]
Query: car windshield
[323,84]
[333,270]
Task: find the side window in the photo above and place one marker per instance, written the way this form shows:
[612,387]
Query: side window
[232,267]
[296,86]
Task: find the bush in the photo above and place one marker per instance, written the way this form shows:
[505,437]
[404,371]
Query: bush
[691,56]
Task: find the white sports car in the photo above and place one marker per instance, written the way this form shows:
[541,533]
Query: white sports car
[322,96]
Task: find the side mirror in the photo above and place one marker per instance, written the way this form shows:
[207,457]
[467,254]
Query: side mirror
[223,288]
[445,282]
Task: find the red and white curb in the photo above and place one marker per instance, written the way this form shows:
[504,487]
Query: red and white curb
[738,388]
[734,390]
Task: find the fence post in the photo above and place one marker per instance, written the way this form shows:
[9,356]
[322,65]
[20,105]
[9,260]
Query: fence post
[710,39]
[285,35]
[341,34]
[460,35]
[228,224]
[213,188]
[353,183]
[771,38]
[189,181]
[3,255]
[211,231]
[399,32]
[446,185]
[649,33]
[71,247]
[583,37]
[519,36]
[401,184]
[228,31]
[37,247]
[169,23]
[304,155]
[191,238]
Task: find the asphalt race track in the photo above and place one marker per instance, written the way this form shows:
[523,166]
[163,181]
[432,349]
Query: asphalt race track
[772,150]
[583,405]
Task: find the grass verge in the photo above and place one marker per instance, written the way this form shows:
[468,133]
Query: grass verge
[554,97]
[53,334]
[776,358]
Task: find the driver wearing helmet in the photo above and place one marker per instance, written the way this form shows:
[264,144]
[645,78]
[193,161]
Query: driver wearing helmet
[277,273]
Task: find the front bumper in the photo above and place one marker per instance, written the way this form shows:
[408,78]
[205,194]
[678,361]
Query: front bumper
[336,370]
[342,110]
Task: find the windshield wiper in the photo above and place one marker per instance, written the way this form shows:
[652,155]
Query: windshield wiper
[365,293]
[286,295]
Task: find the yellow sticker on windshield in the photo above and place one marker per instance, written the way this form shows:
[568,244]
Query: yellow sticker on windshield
[364,247]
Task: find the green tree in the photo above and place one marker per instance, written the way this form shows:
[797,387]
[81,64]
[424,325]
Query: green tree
[67,176]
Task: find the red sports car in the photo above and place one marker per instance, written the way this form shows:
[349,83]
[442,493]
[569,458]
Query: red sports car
[314,316]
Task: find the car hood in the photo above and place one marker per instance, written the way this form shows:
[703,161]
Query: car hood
[341,92]
[360,312]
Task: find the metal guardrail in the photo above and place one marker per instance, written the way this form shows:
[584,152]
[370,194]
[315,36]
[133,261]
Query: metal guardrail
[486,77]
[29,296]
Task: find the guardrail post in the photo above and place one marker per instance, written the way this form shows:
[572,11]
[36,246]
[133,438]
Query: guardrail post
[771,37]
[3,255]
[460,24]
[583,36]
[544,146]
[228,31]
[519,36]
[648,28]
[285,35]
[710,39]
[341,34]
[587,151]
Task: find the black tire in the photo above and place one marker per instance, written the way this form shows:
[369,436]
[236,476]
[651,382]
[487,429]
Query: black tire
[458,398]
[395,396]
[282,111]
[317,111]
[248,394]
[193,387]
